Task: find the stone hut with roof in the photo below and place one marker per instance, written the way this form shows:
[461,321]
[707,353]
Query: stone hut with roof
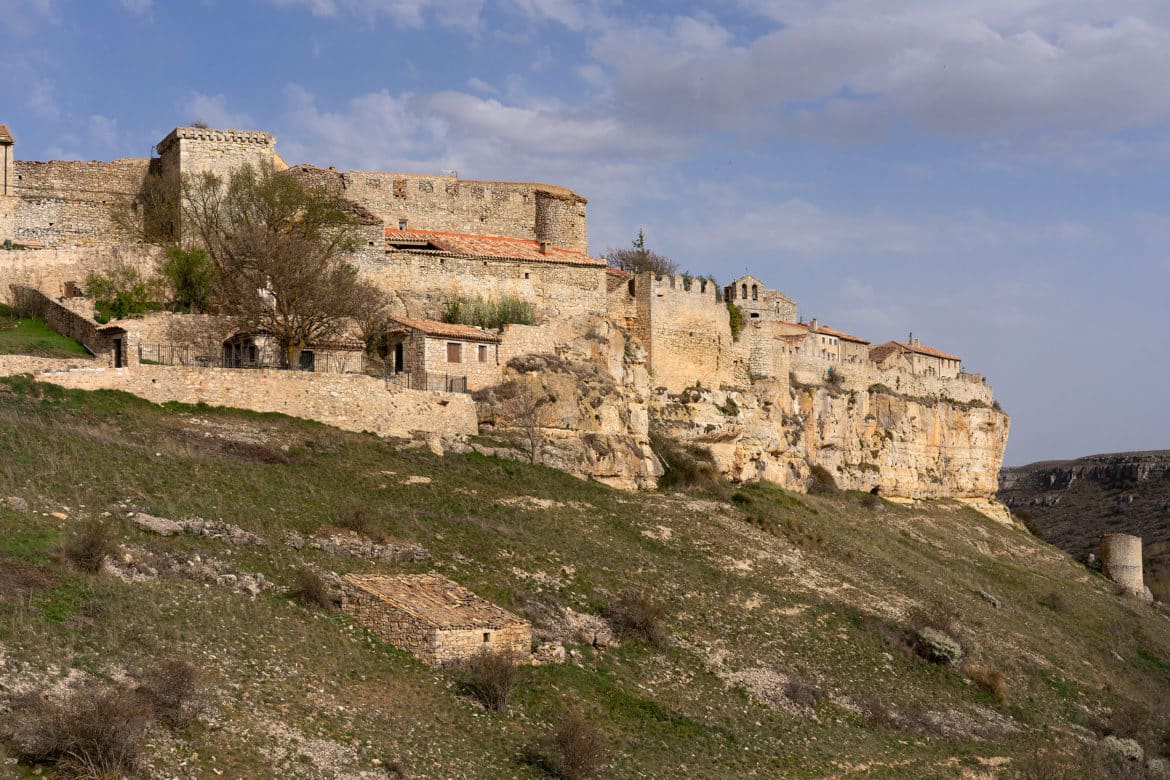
[434,619]
[434,353]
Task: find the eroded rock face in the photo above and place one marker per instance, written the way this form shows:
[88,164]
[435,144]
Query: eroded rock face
[584,412]
[916,448]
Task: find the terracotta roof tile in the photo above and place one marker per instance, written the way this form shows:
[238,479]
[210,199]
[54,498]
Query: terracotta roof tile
[447,330]
[436,600]
[471,245]
[609,269]
[840,334]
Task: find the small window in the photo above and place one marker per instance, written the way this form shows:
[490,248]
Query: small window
[454,352]
[402,224]
[743,291]
[525,274]
[482,353]
[487,636]
[755,315]
[755,293]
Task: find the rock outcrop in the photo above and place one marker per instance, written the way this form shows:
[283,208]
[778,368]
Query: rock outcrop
[901,445]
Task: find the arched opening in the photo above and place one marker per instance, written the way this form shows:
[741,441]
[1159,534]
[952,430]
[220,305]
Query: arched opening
[743,292]
[631,287]
[755,293]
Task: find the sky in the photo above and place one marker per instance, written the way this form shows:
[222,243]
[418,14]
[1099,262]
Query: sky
[990,175]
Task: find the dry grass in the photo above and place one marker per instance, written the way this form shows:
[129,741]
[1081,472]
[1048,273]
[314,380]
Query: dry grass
[174,690]
[577,747]
[94,732]
[805,693]
[310,589]
[635,616]
[989,680]
[90,547]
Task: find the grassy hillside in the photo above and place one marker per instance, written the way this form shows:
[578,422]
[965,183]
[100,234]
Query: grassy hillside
[31,336]
[785,616]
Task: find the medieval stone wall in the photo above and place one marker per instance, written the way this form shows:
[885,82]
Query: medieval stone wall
[51,269]
[454,645]
[65,203]
[352,402]
[536,212]
[423,283]
[68,321]
[686,332]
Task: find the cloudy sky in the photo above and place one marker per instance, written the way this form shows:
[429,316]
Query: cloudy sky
[989,174]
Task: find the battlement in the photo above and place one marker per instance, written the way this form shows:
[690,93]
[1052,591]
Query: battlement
[253,137]
[688,287]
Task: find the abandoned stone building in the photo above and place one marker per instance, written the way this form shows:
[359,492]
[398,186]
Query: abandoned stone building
[434,619]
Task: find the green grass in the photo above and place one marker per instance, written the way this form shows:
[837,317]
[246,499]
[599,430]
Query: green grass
[765,582]
[31,336]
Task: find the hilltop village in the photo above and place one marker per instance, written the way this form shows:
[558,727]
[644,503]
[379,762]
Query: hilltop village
[619,359]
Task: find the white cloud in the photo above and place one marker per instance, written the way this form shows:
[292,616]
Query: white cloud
[479,85]
[403,13]
[213,110]
[103,130]
[41,100]
[138,7]
[858,68]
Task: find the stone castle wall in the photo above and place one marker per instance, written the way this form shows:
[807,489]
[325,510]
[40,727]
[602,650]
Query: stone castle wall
[686,332]
[860,377]
[536,212]
[65,203]
[424,283]
[68,321]
[51,269]
[351,402]
[194,150]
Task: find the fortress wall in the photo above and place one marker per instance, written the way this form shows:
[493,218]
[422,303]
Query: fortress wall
[425,282]
[860,377]
[687,333]
[49,269]
[520,210]
[193,150]
[352,402]
[65,203]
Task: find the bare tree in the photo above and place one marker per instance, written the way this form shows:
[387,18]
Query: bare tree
[638,259]
[291,287]
[525,405]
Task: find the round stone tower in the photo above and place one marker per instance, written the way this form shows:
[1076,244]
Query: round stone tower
[1121,561]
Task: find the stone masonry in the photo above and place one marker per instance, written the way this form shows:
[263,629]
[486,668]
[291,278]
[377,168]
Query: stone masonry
[434,619]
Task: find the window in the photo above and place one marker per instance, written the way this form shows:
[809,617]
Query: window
[454,352]
[402,224]
[487,636]
[755,293]
[482,353]
[743,292]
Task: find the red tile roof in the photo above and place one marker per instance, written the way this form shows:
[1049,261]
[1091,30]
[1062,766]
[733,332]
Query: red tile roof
[447,330]
[881,350]
[6,135]
[470,245]
[609,269]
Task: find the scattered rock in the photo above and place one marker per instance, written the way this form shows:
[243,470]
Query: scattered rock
[549,653]
[937,647]
[156,525]
[992,600]
[137,564]
[16,504]
[1129,749]
[59,515]
[1158,767]
[390,551]
[414,479]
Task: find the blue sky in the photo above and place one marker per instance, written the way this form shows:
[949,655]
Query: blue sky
[989,174]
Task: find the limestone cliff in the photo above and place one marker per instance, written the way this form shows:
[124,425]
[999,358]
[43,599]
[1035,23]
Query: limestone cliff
[583,411]
[929,447]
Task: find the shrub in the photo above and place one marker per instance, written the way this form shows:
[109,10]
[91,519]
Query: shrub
[310,589]
[120,291]
[173,689]
[1054,601]
[871,500]
[735,317]
[989,680]
[490,678]
[357,519]
[635,616]
[876,711]
[190,276]
[96,731]
[490,313]
[577,746]
[802,692]
[686,465]
[821,482]
[90,546]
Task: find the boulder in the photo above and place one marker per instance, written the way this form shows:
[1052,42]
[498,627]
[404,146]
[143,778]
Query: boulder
[1128,749]
[937,647]
[156,525]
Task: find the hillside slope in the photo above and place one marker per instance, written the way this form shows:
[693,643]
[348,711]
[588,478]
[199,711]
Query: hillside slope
[1072,503]
[784,615]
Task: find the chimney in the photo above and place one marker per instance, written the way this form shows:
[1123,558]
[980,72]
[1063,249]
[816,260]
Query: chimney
[544,247]
[812,325]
